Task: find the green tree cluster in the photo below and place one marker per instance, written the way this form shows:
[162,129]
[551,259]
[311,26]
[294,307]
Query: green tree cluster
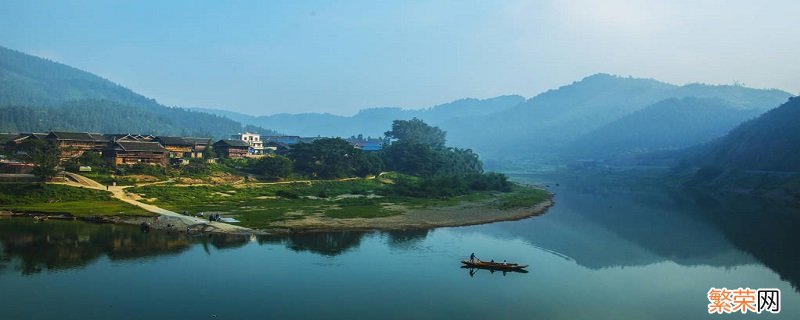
[329,158]
[419,150]
[43,155]
[273,166]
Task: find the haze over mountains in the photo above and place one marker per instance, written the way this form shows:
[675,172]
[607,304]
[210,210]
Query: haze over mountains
[769,142]
[373,121]
[600,117]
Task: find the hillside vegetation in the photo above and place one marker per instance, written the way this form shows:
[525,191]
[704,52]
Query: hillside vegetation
[759,157]
[769,143]
[41,95]
[667,125]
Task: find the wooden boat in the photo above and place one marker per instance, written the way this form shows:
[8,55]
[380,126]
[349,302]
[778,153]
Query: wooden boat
[493,265]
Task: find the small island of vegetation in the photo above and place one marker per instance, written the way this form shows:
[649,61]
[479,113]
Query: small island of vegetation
[415,181]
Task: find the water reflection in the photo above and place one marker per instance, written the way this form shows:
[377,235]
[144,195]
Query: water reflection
[598,227]
[324,243]
[56,245]
[613,225]
[406,239]
[473,271]
[219,241]
[336,243]
[766,229]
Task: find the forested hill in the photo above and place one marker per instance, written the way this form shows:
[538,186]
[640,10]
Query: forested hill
[547,124]
[667,125]
[41,95]
[769,143]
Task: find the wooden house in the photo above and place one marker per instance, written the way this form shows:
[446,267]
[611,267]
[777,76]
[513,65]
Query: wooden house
[11,141]
[200,145]
[231,148]
[274,147]
[184,147]
[8,142]
[178,148]
[74,144]
[132,152]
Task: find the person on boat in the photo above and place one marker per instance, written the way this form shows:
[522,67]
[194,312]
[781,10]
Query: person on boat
[472,257]
[504,262]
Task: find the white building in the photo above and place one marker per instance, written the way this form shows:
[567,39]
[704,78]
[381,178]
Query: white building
[253,139]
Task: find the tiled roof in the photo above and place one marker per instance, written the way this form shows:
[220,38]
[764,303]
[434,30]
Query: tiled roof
[198,141]
[7,137]
[140,146]
[77,136]
[174,141]
[232,143]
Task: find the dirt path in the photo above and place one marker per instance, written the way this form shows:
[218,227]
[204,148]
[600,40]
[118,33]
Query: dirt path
[170,218]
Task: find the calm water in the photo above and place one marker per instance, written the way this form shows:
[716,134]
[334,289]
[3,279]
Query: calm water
[601,252]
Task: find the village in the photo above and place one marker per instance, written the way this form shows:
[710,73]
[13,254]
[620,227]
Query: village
[409,179]
[130,149]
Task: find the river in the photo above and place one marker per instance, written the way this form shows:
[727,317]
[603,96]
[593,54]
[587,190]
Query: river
[603,251]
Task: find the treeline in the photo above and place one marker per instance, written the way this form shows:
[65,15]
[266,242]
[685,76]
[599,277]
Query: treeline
[326,158]
[417,151]
[110,117]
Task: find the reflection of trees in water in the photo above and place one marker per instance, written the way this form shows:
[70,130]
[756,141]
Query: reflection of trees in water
[406,239]
[221,241]
[55,245]
[668,225]
[336,243]
[623,226]
[324,243]
[766,229]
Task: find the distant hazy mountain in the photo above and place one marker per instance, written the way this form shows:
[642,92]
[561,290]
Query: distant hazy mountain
[599,116]
[544,126]
[374,121]
[770,142]
[41,95]
[667,125]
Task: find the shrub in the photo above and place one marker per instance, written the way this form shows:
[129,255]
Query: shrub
[286,193]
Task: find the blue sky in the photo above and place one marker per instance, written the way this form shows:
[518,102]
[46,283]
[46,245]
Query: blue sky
[265,57]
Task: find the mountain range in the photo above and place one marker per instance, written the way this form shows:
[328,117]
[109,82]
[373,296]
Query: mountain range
[601,117]
[770,142]
[39,95]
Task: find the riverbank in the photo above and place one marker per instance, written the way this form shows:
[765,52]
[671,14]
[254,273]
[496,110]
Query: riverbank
[465,214]
[355,204]
[302,206]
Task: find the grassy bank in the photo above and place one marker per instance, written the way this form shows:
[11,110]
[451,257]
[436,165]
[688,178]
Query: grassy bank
[262,205]
[50,198]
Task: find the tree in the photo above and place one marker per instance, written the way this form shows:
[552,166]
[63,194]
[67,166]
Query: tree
[416,131]
[208,152]
[324,158]
[44,157]
[90,159]
[274,166]
[410,158]
[367,163]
